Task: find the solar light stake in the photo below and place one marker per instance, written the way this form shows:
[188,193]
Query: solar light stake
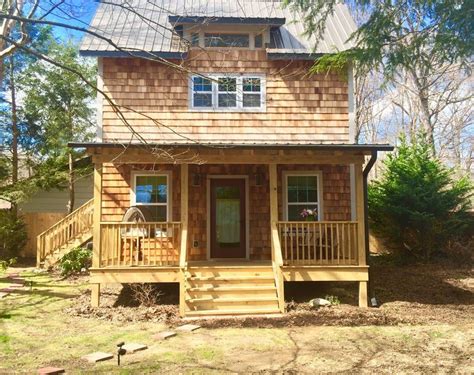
[120,351]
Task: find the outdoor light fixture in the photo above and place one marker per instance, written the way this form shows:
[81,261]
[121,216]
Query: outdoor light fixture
[196,179]
[259,178]
[120,351]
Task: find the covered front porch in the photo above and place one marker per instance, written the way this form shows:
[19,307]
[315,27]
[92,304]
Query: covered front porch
[227,220]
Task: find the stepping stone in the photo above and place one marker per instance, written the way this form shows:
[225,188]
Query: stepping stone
[13,275]
[164,335]
[132,348]
[188,328]
[8,290]
[17,280]
[3,294]
[51,371]
[97,357]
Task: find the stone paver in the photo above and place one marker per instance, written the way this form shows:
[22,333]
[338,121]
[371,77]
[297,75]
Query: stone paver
[132,348]
[164,335]
[97,357]
[3,294]
[188,328]
[51,371]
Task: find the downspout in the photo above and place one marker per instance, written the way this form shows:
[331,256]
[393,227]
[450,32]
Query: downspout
[365,173]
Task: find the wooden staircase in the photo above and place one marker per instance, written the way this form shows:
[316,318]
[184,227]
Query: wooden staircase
[240,289]
[72,231]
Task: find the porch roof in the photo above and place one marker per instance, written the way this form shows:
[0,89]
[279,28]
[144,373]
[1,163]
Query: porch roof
[307,146]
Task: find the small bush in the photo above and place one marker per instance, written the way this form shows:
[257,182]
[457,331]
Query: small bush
[4,264]
[333,299]
[419,206]
[76,260]
[145,294]
[13,235]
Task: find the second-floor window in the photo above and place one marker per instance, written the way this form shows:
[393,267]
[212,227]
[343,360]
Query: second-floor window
[228,92]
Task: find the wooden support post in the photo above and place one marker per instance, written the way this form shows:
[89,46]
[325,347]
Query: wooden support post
[184,238]
[272,168]
[95,288]
[95,295]
[359,190]
[363,294]
[97,215]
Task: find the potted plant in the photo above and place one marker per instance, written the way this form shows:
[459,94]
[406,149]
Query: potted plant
[309,215]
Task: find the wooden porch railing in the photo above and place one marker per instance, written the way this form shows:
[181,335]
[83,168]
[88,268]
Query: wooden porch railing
[140,244]
[319,242]
[71,227]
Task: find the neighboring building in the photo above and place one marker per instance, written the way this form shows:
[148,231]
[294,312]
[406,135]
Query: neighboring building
[232,140]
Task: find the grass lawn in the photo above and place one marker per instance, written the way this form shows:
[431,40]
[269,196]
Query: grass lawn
[35,331]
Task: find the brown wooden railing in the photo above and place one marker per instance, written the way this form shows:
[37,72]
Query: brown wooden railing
[318,242]
[65,231]
[140,244]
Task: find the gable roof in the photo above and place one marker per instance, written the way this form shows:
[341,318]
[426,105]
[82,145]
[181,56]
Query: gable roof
[138,27]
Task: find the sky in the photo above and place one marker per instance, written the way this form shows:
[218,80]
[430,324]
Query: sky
[73,12]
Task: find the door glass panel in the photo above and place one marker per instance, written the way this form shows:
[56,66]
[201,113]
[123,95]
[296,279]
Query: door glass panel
[228,216]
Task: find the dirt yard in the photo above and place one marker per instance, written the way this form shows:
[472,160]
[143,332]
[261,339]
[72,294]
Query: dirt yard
[425,324]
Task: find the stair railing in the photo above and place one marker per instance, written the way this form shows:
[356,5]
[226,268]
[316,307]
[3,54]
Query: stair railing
[64,231]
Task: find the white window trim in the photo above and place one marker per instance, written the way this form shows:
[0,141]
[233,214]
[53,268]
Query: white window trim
[169,198]
[319,176]
[214,77]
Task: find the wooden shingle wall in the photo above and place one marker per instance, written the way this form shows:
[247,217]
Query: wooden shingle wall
[299,107]
[336,199]
[117,184]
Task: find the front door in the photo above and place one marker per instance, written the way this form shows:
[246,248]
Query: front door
[228,229]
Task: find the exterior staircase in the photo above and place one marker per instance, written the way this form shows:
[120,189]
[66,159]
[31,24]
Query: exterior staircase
[72,231]
[243,289]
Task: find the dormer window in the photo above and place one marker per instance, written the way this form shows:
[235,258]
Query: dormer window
[228,92]
[226,40]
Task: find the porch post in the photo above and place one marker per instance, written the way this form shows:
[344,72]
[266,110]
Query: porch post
[360,210]
[184,238]
[95,288]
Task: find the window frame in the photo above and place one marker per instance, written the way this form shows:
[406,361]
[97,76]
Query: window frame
[169,195]
[214,77]
[208,32]
[319,180]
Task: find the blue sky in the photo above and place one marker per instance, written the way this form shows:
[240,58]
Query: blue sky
[72,12]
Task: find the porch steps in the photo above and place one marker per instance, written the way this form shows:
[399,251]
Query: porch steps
[56,255]
[244,289]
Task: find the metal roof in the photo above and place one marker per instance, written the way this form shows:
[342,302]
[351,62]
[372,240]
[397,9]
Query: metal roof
[145,26]
[316,146]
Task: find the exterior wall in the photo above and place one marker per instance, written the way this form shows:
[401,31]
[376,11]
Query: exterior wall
[336,190]
[55,201]
[116,182]
[299,107]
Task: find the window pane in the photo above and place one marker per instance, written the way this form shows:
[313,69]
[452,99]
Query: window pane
[302,189]
[226,40]
[203,100]
[251,100]
[294,212]
[227,84]
[202,84]
[151,189]
[195,39]
[227,100]
[258,41]
[251,84]
[158,213]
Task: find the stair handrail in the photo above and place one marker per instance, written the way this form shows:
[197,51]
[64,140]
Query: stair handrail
[44,248]
[277,263]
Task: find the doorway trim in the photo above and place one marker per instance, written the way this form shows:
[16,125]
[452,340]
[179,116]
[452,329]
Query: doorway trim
[208,215]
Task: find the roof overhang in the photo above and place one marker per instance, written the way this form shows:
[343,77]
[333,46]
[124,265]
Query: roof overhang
[288,54]
[316,146]
[141,54]
[205,20]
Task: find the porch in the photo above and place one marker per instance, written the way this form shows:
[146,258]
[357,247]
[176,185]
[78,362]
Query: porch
[275,247]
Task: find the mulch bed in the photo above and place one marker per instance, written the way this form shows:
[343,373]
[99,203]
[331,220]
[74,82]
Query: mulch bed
[413,295]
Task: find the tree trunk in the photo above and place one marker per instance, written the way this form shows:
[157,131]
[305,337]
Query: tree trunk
[15,133]
[70,203]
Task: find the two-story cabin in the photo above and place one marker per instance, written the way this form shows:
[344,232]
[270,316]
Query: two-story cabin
[220,162]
